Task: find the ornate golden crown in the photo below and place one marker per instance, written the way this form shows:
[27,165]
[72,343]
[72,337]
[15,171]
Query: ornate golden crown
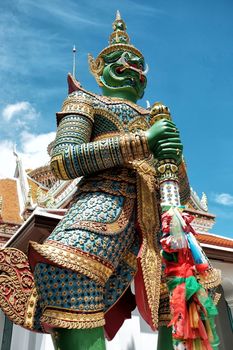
[119,39]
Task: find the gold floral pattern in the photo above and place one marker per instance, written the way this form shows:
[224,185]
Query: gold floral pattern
[211,279]
[110,228]
[18,296]
[58,318]
[74,259]
[148,217]
[131,260]
[75,105]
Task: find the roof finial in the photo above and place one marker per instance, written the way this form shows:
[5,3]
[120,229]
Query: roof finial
[15,152]
[118,15]
[74,63]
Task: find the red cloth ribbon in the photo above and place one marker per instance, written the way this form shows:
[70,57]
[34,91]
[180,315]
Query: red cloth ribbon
[188,219]
[178,311]
[179,270]
[166,220]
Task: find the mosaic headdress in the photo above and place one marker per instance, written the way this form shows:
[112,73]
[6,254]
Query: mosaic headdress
[118,41]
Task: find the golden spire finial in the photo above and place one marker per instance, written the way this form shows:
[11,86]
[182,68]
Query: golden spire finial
[118,15]
[119,35]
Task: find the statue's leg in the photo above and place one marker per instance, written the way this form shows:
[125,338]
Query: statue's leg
[165,338]
[79,339]
[74,264]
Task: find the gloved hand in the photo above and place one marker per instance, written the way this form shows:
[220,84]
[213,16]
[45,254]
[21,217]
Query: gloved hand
[164,141]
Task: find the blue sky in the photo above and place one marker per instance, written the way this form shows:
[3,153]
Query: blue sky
[188,46]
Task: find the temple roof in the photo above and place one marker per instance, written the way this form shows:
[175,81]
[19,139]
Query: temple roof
[10,208]
[43,176]
[35,187]
[216,240]
[39,171]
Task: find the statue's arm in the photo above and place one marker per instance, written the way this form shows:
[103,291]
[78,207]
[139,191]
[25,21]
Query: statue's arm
[74,154]
[164,141]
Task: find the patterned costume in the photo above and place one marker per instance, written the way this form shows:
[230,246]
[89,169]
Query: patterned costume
[93,250]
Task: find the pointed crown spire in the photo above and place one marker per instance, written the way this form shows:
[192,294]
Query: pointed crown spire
[119,39]
[118,15]
[119,34]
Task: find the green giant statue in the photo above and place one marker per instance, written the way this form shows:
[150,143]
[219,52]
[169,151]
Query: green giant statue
[76,285]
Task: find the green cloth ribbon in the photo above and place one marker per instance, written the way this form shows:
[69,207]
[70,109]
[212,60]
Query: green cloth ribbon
[192,286]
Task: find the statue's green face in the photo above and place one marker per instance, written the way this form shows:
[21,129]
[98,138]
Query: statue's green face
[123,75]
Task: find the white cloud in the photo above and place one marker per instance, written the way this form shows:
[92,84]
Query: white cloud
[7,159]
[19,110]
[33,152]
[35,146]
[224,199]
[31,147]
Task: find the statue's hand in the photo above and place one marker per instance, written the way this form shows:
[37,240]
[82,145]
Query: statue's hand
[164,141]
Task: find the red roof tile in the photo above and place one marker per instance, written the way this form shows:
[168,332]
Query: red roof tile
[10,202]
[215,240]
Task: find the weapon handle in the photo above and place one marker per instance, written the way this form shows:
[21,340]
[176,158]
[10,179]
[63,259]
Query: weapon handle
[167,168]
[169,184]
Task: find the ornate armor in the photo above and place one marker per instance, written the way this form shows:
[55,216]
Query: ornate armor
[95,246]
